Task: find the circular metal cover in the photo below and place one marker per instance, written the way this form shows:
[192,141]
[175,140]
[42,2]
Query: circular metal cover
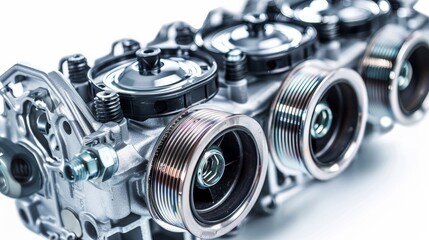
[181,79]
[344,17]
[271,46]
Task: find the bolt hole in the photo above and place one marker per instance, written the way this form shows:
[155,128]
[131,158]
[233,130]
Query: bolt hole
[69,173]
[271,65]
[160,106]
[91,230]
[100,85]
[67,128]
[147,51]
[24,216]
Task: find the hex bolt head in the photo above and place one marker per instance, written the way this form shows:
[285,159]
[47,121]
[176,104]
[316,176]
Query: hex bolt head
[96,162]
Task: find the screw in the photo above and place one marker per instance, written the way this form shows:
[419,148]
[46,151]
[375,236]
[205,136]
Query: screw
[108,107]
[322,121]
[235,65]
[83,166]
[99,161]
[77,66]
[210,168]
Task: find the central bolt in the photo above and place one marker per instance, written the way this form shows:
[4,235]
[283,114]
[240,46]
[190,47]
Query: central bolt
[210,168]
[322,121]
[405,76]
[149,60]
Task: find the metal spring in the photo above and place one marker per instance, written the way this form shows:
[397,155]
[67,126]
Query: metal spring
[108,107]
[376,68]
[290,110]
[169,165]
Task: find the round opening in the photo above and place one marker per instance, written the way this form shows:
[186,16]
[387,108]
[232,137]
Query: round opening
[21,169]
[69,173]
[23,216]
[67,128]
[413,82]
[90,230]
[336,117]
[234,153]
[148,51]
[271,65]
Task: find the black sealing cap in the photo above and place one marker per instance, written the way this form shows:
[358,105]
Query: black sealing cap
[149,60]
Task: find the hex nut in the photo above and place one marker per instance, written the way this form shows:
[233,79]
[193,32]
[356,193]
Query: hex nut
[89,159]
[108,162]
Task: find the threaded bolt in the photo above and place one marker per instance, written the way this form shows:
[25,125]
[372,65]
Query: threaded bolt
[83,166]
[78,68]
[108,107]
[235,65]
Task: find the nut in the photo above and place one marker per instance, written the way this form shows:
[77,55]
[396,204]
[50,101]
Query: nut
[108,162]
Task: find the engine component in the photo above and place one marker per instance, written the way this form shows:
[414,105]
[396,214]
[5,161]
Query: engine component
[317,120]
[343,17]
[170,140]
[271,46]
[393,68]
[19,173]
[209,193]
[154,83]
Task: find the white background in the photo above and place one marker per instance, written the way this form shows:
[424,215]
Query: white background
[384,195]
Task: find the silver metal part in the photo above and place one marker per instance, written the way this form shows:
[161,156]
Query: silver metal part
[395,74]
[210,168]
[99,161]
[310,129]
[171,142]
[193,138]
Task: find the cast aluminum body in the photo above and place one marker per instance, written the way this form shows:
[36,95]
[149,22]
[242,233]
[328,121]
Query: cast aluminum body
[104,176]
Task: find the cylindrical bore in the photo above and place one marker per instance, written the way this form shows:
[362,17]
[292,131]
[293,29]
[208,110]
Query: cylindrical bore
[177,201]
[385,67]
[292,119]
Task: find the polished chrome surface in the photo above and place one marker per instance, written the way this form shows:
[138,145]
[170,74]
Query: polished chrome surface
[307,92]
[174,197]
